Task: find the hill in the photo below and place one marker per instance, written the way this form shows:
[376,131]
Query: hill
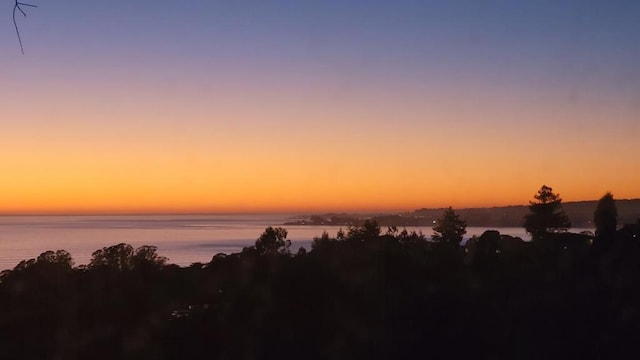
[580,213]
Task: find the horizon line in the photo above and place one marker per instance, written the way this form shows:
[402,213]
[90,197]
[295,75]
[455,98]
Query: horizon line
[258,212]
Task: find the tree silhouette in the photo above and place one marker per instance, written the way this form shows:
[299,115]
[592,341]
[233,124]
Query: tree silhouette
[17,7]
[116,256]
[273,241]
[404,296]
[59,257]
[369,230]
[449,229]
[605,219]
[546,215]
[147,257]
[324,241]
[123,257]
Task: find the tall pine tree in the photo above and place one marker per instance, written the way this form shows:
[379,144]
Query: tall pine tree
[449,229]
[546,215]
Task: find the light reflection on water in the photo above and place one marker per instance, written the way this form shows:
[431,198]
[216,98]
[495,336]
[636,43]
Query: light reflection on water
[184,239]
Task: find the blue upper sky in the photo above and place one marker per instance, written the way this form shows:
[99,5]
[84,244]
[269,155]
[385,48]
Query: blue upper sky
[512,39]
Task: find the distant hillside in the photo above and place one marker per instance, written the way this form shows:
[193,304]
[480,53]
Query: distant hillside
[580,213]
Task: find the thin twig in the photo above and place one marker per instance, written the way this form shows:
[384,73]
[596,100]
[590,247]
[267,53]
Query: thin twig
[18,7]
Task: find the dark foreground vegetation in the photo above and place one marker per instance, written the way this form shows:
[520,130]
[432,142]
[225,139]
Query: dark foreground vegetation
[368,293]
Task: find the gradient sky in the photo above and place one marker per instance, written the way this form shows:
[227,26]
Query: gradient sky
[144,106]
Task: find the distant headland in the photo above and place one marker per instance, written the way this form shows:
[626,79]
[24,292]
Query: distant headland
[580,213]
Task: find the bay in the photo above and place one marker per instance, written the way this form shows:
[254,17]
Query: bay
[184,239]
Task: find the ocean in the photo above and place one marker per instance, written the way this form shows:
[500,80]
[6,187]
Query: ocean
[184,239]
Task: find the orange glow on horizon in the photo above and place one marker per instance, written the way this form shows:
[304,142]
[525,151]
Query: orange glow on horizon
[249,148]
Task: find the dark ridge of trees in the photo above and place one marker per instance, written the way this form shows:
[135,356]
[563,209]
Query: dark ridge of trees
[123,257]
[368,292]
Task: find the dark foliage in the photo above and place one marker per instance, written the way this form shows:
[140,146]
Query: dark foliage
[273,241]
[605,218]
[364,294]
[546,215]
[449,229]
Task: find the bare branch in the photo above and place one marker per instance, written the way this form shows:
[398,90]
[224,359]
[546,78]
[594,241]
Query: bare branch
[18,7]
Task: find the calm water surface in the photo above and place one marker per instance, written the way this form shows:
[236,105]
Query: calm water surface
[184,239]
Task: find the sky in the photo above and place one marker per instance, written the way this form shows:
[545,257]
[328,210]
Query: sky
[332,105]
